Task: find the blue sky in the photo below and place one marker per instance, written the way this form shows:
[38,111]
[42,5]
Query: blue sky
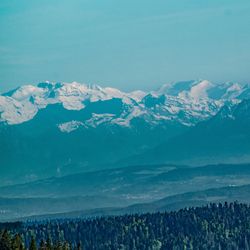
[127,44]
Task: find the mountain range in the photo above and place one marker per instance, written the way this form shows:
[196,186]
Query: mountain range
[71,149]
[56,129]
[185,102]
[223,138]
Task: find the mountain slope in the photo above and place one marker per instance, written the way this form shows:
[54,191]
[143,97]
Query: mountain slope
[55,129]
[223,138]
[37,148]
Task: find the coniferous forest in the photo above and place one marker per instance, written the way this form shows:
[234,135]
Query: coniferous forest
[215,226]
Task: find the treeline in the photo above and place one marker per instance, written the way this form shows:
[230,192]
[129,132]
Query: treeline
[215,226]
[16,242]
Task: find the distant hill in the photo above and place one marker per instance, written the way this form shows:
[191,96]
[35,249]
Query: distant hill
[123,187]
[170,203]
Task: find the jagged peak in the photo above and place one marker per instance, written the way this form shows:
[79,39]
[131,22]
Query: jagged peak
[196,99]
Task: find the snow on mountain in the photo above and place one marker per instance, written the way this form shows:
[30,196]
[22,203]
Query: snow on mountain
[22,104]
[135,112]
[175,88]
[68,127]
[98,119]
[200,90]
[14,112]
[137,95]
[186,102]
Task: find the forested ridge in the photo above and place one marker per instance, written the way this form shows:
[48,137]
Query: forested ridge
[215,226]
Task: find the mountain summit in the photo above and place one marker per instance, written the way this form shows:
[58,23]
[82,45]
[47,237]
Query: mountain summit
[187,102]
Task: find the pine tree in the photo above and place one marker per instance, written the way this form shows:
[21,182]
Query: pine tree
[17,243]
[66,246]
[5,242]
[48,244]
[59,246]
[79,246]
[32,244]
[42,245]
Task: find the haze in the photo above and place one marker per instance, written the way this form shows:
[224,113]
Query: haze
[124,44]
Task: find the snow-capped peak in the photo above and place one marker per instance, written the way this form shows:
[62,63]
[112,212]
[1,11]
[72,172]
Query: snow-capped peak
[137,95]
[200,89]
[186,102]
[25,92]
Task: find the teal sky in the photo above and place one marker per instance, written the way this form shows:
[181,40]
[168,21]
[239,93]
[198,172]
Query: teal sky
[127,44]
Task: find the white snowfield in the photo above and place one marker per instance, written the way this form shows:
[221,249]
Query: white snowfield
[184,102]
[68,127]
